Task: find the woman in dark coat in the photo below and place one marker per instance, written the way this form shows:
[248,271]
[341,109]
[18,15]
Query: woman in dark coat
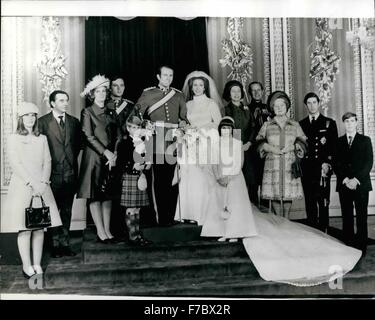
[243,119]
[101,133]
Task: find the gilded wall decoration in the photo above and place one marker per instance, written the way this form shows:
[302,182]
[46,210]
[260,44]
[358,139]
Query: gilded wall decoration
[12,84]
[266,56]
[238,55]
[52,64]
[324,62]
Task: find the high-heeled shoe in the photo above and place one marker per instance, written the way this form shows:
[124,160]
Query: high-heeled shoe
[38,269]
[113,240]
[27,276]
[105,241]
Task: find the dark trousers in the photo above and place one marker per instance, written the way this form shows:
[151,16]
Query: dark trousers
[63,193]
[165,193]
[253,173]
[316,201]
[348,200]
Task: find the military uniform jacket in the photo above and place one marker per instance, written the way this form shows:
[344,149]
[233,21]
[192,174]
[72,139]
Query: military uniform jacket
[170,112]
[321,139]
[124,113]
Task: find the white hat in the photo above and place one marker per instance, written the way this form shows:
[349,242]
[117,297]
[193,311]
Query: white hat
[95,82]
[27,107]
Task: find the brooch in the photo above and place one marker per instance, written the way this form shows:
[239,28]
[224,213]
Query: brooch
[323,140]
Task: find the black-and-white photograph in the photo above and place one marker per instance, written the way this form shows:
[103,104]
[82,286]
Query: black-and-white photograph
[185,149]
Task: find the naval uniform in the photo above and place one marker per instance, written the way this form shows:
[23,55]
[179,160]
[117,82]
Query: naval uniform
[321,138]
[166,108]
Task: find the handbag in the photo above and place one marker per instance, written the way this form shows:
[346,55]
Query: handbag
[37,217]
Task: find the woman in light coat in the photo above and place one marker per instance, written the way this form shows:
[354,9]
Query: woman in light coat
[30,161]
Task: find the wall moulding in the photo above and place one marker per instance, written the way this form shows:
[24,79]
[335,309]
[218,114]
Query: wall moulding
[12,85]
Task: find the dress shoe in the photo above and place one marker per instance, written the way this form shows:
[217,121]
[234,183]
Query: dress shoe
[140,241]
[112,240]
[38,269]
[169,224]
[105,241]
[67,252]
[56,252]
[190,222]
[26,276]
[30,273]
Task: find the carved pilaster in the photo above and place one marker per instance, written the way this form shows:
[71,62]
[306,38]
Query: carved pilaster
[368,99]
[357,79]
[12,84]
[277,58]
[288,66]
[266,56]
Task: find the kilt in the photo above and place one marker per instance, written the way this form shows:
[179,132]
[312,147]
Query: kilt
[131,196]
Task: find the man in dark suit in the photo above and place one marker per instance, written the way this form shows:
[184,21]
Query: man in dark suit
[322,136]
[63,133]
[352,164]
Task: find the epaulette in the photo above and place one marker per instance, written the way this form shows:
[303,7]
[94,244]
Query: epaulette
[176,90]
[150,88]
[129,101]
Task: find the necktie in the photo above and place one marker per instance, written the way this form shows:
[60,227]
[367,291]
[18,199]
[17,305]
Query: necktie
[62,124]
[350,141]
[312,120]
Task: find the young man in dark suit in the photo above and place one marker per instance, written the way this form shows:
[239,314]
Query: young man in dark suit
[322,136]
[63,133]
[352,165]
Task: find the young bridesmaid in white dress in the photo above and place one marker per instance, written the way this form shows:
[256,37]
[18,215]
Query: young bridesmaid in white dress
[230,216]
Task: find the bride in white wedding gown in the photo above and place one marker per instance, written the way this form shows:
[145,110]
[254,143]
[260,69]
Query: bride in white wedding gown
[203,112]
[281,250]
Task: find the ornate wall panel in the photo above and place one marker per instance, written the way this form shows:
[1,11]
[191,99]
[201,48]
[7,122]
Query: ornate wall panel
[277,54]
[266,54]
[368,84]
[12,88]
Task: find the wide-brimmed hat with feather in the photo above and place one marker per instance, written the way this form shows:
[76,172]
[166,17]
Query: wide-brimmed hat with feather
[97,81]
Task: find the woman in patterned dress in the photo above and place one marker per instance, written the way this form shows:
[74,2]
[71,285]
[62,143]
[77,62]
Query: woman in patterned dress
[280,140]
